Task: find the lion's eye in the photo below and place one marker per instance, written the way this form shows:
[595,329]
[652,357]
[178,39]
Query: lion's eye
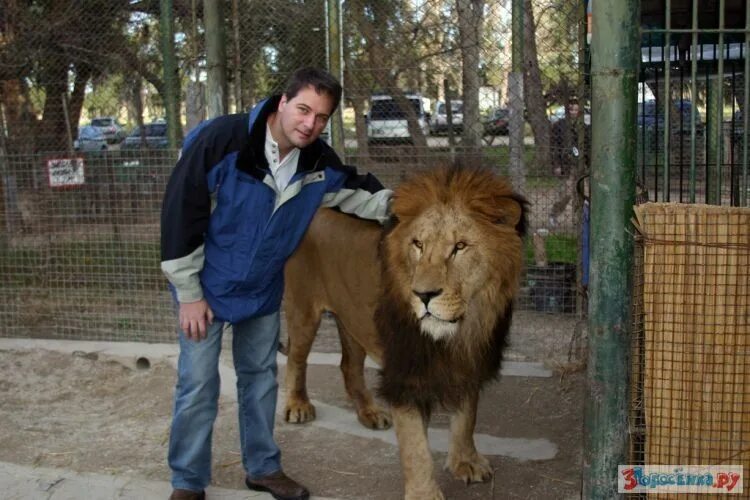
[458,247]
[417,243]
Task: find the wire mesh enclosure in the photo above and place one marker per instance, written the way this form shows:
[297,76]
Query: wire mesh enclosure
[85,130]
[691,343]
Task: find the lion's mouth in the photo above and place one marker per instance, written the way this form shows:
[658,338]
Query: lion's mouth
[429,315]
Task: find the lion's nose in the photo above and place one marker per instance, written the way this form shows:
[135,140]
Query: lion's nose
[425,297]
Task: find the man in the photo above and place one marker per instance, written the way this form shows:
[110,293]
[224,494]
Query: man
[565,157]
[236,206]
[565,147]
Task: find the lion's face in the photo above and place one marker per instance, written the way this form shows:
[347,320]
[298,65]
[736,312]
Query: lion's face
[456,263]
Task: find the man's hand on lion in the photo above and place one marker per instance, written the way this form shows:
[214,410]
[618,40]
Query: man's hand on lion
[195,318]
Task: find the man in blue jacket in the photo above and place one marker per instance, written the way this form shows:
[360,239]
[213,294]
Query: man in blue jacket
[237,204]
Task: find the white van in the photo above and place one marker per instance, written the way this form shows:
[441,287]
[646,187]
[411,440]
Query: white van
[386,121]
[439,121]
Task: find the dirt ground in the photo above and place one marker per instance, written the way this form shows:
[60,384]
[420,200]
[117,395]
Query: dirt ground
[88,414]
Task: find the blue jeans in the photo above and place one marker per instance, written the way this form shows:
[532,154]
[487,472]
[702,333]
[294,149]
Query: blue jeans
[254,346]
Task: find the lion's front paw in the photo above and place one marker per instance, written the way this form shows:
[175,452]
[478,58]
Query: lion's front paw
[475,469]
[299,412]
[374,417]
[433,493]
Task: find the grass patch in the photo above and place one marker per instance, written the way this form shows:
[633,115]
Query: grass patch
[560,248]
[105,263]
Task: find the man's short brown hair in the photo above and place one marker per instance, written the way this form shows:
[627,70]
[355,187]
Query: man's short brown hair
[322,81]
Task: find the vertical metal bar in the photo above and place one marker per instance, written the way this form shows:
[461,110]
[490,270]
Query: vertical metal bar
[694,98]
[656,131]
[710,133]
[237,69]
[733,187]
[667,54]
[335,67]
[615,53]
[644,144]
[720,102]
[746,80]
[170,72]
[681,130]
[516,101]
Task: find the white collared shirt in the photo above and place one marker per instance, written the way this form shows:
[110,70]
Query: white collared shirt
[282,170]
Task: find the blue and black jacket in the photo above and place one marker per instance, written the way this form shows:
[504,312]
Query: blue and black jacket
[226,229]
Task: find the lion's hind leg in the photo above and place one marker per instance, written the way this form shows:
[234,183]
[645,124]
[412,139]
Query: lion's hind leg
[302,327]
[463,460]
[353,355]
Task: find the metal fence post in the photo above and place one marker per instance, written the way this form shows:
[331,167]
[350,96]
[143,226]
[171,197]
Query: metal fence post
[615,52]
[516,101]
[171,77]
[335,67]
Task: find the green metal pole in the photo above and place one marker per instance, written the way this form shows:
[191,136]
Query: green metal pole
[335,67]
[720,106]
[516,100]
[667,97]
[216,58]
[615,52]
[745,110]
[171,75]
[694,100]
[715,104]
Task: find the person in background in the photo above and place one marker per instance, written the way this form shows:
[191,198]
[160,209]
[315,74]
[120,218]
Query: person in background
[237,204]
[566,154]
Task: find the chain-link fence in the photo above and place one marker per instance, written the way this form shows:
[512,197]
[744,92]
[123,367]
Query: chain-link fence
[84,152]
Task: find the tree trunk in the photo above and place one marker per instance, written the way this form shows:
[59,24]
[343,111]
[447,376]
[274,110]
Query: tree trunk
[470,18]
[536,106]
[54,132]
[83,74]
[216,59]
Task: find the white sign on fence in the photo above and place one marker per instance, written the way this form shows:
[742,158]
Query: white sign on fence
[65,172]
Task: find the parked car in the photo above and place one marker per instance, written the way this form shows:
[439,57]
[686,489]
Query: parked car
[439,120]
[386,121]
[90,139]
[650,116]
[154,137]
[497,122]
[113,132]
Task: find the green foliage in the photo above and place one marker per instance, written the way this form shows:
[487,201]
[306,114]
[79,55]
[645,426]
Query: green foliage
[560,248]
[106,98]
[557,23]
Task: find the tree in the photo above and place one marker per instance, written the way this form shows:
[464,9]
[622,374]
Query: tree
[58,47]
[470,17]
[536,106]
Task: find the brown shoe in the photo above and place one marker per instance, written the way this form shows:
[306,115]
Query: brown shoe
[179,494]
[279,485]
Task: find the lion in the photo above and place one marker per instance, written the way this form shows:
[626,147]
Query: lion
[429,298]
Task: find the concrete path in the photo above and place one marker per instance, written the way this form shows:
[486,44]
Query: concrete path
[24,482]
[19,482]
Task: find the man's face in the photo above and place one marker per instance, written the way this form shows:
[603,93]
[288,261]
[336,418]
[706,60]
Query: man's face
[573,110]
[304,117]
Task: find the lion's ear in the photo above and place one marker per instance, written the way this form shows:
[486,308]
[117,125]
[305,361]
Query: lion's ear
[508,211]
